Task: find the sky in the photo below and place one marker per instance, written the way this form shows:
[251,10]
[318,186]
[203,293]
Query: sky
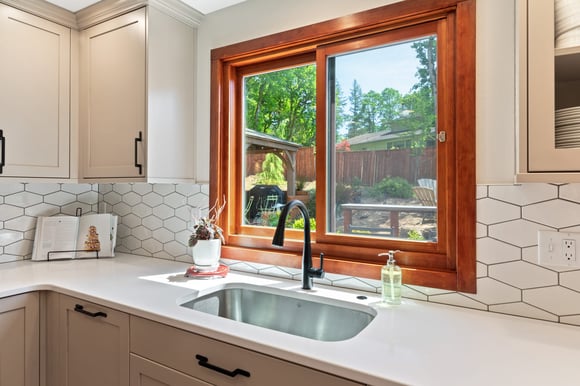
[393,66]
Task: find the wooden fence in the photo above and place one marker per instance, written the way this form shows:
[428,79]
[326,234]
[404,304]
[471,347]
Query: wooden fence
[366,167]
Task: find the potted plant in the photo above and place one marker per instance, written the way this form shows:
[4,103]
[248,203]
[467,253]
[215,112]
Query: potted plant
[206,238]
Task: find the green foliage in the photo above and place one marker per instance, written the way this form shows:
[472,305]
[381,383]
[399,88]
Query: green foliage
[272,171]
[299,223]
[415,235]
[395,187]
[283,104]
[270,218]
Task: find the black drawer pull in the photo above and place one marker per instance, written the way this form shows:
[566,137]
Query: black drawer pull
[81,309]
[3,150]
[137,164]
[203,362]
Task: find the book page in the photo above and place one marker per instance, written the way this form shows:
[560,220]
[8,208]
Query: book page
[56,235]
[95,234]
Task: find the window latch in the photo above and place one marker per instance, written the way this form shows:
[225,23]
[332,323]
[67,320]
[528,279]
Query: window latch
[442,136]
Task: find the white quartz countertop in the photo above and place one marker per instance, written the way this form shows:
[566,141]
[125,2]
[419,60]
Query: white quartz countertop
[416,343]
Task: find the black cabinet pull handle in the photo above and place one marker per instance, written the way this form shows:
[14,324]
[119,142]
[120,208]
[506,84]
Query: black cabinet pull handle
[137,164]
[204,362]
[81,309]
[3,150]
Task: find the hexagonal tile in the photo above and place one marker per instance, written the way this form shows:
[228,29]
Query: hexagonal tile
[142,188]
[523,275]
[152,222]
[132,198]
[175,200]
[553,213]
[141,232]
[42,189]
[187,189]
[163,235]
[518,232]
[183,237]
[490,211]
[131,220]
[557,300]
[152,245]
[175,224]
[523,194]
[121,188]
[490,251]
[8,189]
[42,210]
[175,249]
[142,210]
[21,223]
[522,309]
[19,248]
[23,199]
[60,198]
[198,200]
[112,198]
[480,230]
[77,188]
[123,231]
[152,199]
[570,192]
[457,299]
[121,209]
[481,191]
[131,243]
[183,213]
[163,189]
[8,212]
[105,188]
[163,211]
[8,237]
[571,280]
[490,291]
[91,197]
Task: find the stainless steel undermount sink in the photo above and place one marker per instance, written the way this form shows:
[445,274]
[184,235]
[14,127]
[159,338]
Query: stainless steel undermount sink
[286,311]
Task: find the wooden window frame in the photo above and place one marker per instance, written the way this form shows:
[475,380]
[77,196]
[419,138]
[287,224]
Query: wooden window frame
[451,264]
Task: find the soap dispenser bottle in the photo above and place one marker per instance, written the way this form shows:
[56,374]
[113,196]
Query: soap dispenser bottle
[391,276]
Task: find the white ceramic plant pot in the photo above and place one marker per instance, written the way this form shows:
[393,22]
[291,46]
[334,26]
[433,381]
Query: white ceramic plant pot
[206,255]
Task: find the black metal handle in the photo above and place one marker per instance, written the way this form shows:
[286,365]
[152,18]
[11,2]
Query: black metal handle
[3,150]
[204,362]
[137,164]
[81,309]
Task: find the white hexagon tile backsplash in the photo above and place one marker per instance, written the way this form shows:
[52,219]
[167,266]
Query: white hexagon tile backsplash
[154,220]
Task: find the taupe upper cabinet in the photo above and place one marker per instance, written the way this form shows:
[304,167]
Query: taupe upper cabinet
[549,97]
[136,98]
[34,96]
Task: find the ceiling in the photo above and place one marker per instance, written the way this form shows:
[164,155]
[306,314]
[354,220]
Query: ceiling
[203,6]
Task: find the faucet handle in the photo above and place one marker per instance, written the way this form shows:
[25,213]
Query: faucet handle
[319,273]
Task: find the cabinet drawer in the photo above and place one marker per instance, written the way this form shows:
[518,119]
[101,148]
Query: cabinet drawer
[178,349]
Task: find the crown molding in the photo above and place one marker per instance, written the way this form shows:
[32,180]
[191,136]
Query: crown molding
[45,10]
[107,9]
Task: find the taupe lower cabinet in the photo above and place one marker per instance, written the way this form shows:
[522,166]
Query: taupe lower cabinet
[19,340]
[91,345]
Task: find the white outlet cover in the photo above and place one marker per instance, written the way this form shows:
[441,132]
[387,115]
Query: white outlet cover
[551,250]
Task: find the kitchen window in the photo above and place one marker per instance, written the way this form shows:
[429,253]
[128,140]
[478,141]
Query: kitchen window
[373,114]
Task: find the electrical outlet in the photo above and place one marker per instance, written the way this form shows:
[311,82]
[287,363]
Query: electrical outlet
[557,248]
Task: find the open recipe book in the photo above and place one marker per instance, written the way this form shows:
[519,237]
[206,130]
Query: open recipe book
[75,237]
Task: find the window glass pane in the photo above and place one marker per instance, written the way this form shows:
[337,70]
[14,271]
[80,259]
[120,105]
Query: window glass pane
[382,141]
[280,130]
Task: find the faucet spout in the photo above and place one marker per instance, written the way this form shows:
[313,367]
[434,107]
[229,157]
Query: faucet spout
[308,271]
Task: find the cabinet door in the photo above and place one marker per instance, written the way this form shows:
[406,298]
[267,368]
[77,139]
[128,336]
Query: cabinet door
[19,340]
[113,98]
[549,88]
[94,343]
[147,373]
[34,95]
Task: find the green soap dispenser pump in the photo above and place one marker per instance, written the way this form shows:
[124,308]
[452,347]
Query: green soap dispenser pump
[391,276]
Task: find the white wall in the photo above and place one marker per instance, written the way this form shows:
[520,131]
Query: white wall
[495,67]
